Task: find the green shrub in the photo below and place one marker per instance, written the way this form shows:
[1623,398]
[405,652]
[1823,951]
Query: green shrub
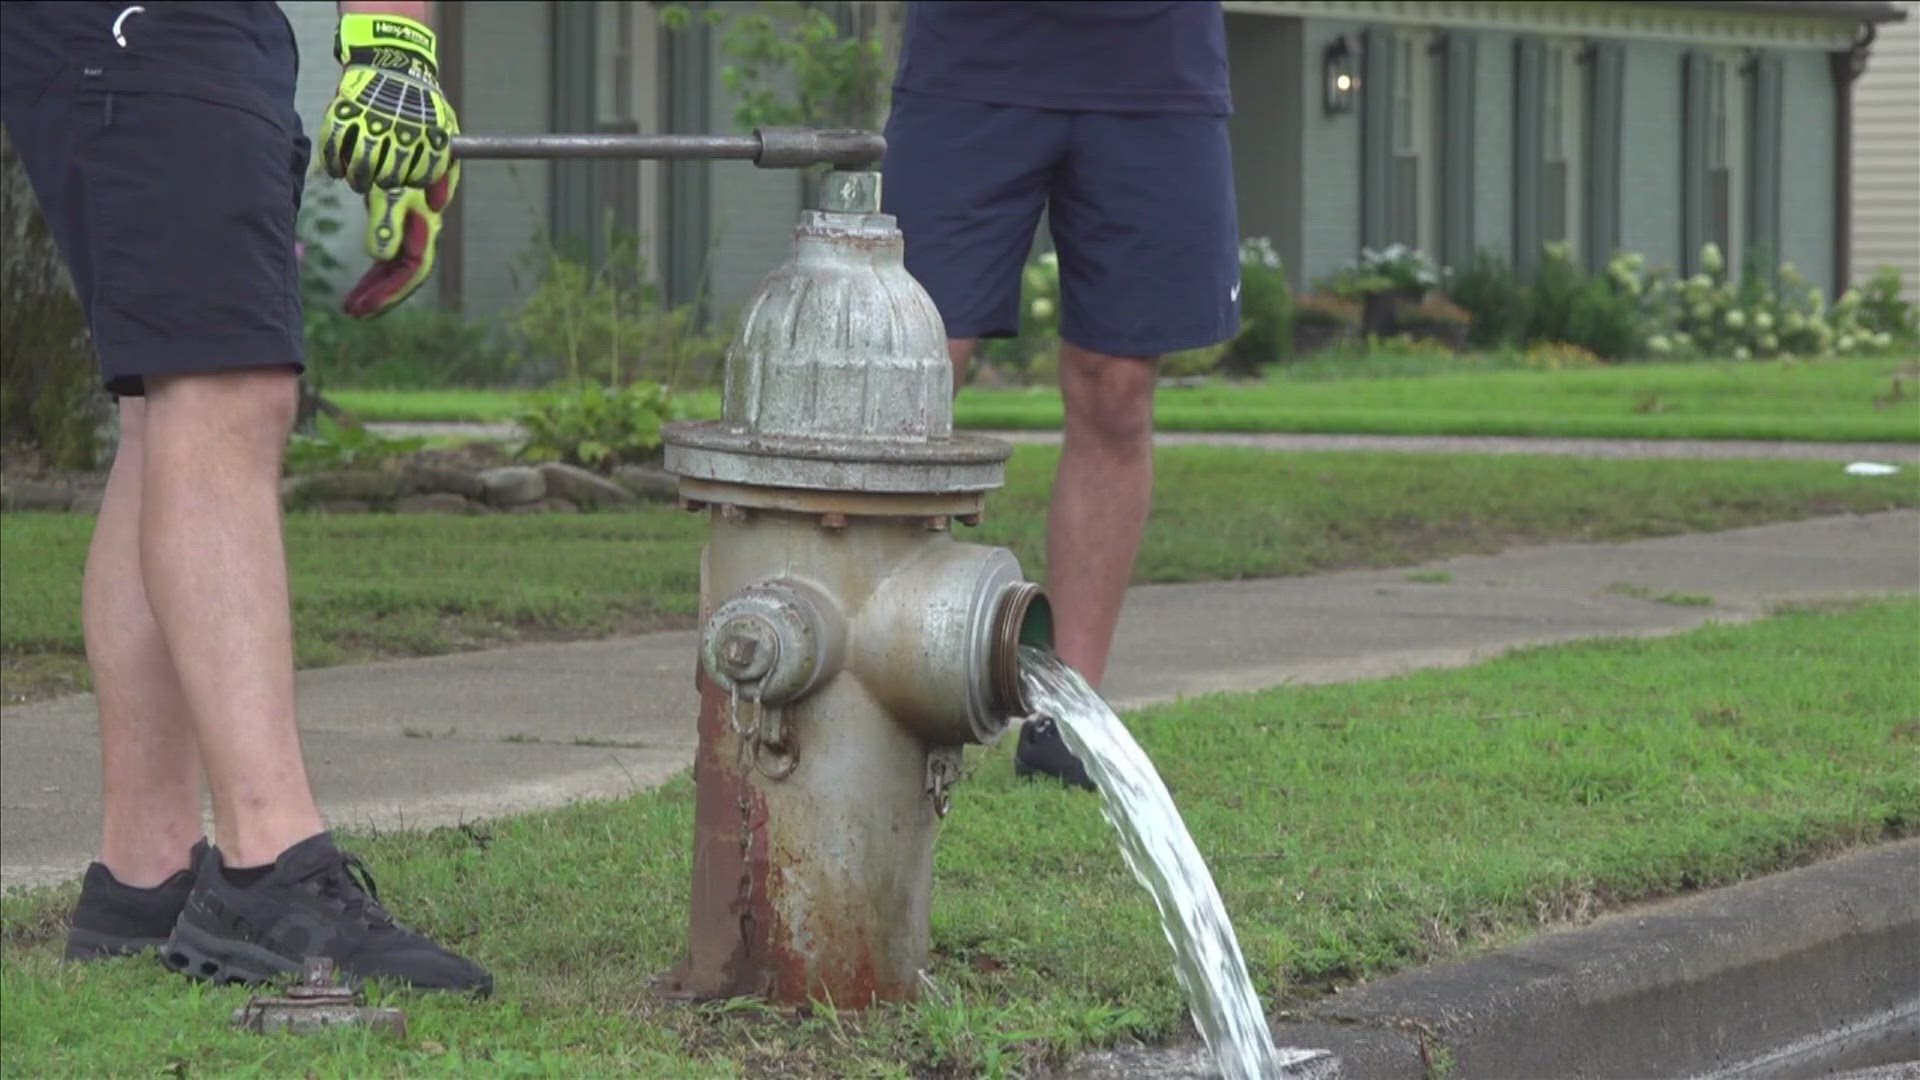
[1494,296]
[610,324]
[1606,321]
[1266,309]
[1708,316]
[1193,363]
[334,445]
[597,427]
[50,394]
[412,347]
[1552,296]
[1883,308]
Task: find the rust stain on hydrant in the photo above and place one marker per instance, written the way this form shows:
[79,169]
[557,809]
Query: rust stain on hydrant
[851,647]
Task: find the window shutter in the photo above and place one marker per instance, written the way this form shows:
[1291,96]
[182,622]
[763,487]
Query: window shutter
[574,80]
[1528,93]
[1456,155]
[1606,90]
[1764,143]
[687,191]
[1696,121]
[1376,139]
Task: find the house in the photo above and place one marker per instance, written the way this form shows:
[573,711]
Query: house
[1885,171]
[1453,126]
[1462,126]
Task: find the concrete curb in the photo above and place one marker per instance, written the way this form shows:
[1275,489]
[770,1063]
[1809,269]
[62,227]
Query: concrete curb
[1806,973]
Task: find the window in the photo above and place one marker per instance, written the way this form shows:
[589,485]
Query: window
[1415,174]
[1726,148]
[1563,124]
[626,101]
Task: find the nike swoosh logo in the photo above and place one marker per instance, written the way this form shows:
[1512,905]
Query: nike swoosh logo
[1235,294]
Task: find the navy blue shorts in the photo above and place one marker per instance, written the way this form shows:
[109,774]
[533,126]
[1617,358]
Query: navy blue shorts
[1140,205]
[172,190]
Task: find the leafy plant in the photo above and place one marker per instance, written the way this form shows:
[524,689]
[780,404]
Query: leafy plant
[595,426]
[1884,309]
[1266,308]
[345,446]
[1192,363]
[1397,268]
[1495,298]
[1319,309]
[609,324]
[50,394]
[1706,315]
[1557,356]
[790,64]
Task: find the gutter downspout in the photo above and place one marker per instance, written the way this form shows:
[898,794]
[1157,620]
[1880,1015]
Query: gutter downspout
[1847,67]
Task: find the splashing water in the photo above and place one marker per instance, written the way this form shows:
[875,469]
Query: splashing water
[1161,854]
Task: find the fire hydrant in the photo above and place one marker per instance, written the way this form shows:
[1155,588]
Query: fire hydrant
[851,647]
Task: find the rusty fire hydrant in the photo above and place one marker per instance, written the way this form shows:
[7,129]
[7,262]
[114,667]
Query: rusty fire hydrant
[851,646]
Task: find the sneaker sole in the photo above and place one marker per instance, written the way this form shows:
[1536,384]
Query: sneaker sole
[84,945]
[200,955]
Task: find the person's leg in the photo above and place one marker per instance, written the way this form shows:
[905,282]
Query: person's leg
[1143,216]
[1101,495]
[214,565]
[150,760]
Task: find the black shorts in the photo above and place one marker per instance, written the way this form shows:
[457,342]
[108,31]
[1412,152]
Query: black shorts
[172,189]
[1141,207]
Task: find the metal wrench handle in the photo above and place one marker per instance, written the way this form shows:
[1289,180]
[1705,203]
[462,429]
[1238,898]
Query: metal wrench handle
[769,148]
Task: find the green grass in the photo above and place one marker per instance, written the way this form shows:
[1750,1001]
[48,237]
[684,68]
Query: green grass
[1353,830]
[369,586]
[1822,401]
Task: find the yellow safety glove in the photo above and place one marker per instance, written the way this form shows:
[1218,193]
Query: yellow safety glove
[402,228]
[388,125]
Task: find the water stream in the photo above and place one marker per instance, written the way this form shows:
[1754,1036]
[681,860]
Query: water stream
[1162,856]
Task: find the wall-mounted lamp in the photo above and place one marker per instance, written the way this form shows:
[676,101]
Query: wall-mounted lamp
[1341,79]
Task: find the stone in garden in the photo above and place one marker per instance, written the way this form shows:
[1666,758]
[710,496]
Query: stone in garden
[433,502]
[30,495]
[427,479]
[363,485]
[514,485]
[648,483]
[344,506]
[583,487]
[88,502]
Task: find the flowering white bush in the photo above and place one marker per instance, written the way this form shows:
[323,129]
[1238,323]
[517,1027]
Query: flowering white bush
[1258,251]
[1708,315]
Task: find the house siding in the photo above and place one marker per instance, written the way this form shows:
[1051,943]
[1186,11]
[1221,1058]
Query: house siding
[1807,174]
[505,204]
[313,22]
[1493,144]
[1886,156]
[1329,165]
[1650,148]
[1272,96]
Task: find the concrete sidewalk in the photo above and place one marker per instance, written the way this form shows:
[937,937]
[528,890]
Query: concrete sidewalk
[1705,449]
[442,740]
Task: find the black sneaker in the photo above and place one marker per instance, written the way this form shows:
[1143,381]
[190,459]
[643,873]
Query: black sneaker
[112,919]
[1043,750]
[315,901]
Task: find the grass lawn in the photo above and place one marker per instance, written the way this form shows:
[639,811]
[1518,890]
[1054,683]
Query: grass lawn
[368,586]
[1353,830]
[1824,401]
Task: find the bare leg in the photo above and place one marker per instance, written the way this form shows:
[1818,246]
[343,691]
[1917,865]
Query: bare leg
[214,562]
[1101,497]
[150,762]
